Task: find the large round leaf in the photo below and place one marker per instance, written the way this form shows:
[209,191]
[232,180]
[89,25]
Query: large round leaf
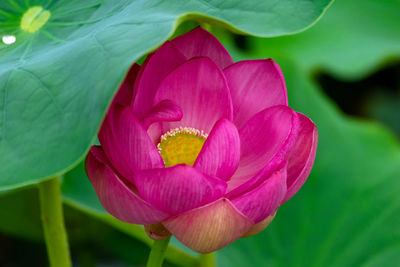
[56,83]
[350,41]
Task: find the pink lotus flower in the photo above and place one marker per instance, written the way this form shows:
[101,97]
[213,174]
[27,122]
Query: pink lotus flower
[200,147]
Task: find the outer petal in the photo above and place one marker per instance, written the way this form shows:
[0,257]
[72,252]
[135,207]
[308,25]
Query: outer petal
[179,188]
[164,60]
[255,85]
[209,228]
[302,156]
[110,143]
[221,152]
[264,200]
[257,228]
[166,110]
[200,43]
[265,140]
[127,144]
[106,135]
[117,197]
[199,87]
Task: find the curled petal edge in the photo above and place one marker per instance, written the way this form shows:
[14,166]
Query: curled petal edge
[302,156]
[179,188]
[264,200]
[128,206]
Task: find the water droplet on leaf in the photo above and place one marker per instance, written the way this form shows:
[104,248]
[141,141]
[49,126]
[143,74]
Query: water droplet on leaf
[9,39]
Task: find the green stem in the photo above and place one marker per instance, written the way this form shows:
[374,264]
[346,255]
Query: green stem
[53,223]
[157,253]
[207,260]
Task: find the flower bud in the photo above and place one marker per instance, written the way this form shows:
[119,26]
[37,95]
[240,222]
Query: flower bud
[199,147]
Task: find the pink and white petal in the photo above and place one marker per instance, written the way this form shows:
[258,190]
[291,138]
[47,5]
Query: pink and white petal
[111,144]
[255,85]
[199,87]
[263,136]
[301,158]
[178,188]
[166,110]
[209,228]
[118,198]
[237,187]
[106,135]
[266,139]
[265,199]
[161,63]
[200,43]
[127,144]
[135,142]
[220,154]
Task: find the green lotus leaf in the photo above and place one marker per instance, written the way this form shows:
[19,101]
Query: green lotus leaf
[69,57]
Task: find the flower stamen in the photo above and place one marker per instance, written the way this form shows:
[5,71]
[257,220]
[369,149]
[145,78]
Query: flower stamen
[181,145]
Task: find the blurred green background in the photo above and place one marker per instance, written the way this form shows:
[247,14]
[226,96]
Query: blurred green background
[344,73]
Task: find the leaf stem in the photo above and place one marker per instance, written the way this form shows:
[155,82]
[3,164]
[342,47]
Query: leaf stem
[157,253]
[53,223]
[207,260]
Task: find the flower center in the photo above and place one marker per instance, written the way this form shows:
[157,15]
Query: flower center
[181,145]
